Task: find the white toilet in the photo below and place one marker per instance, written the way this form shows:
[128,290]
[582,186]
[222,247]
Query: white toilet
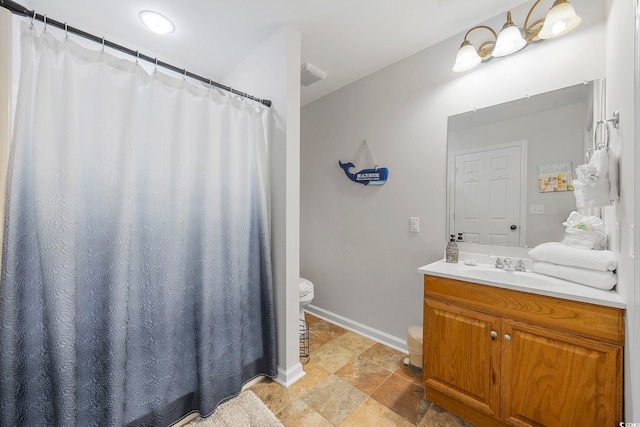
[305,288]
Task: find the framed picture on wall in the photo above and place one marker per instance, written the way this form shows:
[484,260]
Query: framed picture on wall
[555,176]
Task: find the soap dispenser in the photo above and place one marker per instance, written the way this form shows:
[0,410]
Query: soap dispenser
[452,250]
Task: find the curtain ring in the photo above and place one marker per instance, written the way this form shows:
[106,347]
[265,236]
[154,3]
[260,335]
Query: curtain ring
[137,56]
[155,69]
[32,18]
[66,32]
[184,76]
[45,24]
[103,45]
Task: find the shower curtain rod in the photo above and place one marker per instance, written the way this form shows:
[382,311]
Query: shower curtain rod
[18,9]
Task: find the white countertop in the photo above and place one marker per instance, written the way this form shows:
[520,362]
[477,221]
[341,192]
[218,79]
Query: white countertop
[523,281]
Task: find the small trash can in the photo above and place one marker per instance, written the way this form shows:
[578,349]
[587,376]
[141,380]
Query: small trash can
[414,345]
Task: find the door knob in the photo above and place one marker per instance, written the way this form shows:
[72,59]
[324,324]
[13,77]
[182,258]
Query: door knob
[513,227]
[493,334]
[507,337]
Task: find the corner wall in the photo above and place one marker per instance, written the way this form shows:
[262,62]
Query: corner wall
[355,242]
[273,72]
[620,51]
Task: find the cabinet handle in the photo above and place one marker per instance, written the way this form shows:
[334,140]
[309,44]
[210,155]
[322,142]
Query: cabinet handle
[493,334]
[507,337]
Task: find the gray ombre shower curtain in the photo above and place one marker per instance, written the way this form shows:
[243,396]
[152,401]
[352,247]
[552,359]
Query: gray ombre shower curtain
[136,281]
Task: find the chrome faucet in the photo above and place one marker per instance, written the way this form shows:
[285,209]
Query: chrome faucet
[520,266]
[507,265]
[499,263]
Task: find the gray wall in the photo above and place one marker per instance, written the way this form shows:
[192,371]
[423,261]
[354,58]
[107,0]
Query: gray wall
[355,243]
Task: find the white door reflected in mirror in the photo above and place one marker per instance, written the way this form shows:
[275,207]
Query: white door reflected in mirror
[489,191]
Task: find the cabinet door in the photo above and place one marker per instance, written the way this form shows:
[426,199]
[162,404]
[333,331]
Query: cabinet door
[551,378]
[461,356]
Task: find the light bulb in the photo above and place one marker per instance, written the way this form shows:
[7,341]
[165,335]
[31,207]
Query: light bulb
[560,19]
[509,41]
[467,58]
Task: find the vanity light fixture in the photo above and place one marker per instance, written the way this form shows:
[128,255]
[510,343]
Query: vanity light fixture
[560,19]
[468,57]
[509,40]
[156,22]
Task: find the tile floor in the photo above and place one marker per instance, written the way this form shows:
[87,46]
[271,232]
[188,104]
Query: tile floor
[353,381]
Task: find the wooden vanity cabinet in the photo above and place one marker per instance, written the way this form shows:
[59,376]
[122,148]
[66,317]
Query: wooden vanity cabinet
[500,357]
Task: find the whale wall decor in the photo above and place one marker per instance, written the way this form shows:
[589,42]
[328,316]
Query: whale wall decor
[375,176]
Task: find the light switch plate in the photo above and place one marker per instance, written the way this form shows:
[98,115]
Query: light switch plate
[414,224]
[536,209]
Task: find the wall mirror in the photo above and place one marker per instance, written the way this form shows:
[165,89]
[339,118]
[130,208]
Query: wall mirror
[510,166]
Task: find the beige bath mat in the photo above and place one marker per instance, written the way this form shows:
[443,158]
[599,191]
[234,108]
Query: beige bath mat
[246,410]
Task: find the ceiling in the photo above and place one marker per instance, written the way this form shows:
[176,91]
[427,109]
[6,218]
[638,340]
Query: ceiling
[348,39]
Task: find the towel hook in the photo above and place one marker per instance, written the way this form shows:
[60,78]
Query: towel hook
[615,119]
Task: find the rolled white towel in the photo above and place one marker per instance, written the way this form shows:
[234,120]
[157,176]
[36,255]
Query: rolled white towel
[305,287]
[591,196]
[558,253]
[597,181]
[604,280]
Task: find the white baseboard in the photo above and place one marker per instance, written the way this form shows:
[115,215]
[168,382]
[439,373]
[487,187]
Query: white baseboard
[359,328]
[290,376]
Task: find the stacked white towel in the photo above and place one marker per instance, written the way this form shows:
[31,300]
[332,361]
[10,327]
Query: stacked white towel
[558,253]
[597,182]
[584,266]
[604,280]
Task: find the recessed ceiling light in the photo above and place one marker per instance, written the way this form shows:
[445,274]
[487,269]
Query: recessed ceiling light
[156,22]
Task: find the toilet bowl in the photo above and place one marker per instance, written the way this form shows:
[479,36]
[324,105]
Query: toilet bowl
[305,288]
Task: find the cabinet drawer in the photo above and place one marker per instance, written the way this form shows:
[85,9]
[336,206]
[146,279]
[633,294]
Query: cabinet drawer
[587,320]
